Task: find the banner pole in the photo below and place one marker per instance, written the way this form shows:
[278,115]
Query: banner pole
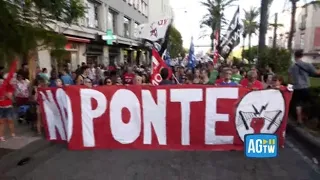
[175,78]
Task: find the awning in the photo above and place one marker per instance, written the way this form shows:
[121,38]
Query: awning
[75,39]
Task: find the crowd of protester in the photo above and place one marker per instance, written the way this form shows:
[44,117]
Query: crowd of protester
[90,75]
[206,73]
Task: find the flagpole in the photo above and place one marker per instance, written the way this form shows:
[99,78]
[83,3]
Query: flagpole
[173,75]
[175,78]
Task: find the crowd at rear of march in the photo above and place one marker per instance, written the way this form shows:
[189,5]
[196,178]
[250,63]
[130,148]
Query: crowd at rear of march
[24,92]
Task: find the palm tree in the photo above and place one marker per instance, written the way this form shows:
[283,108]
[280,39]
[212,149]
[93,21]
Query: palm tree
[215,19]
[251,25]
[244,36]
[292,23]
[264,9]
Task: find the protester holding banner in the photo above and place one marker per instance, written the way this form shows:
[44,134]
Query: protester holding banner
[197,78]
[164,75]
[205,73]
[226,80]
[236,77]
[252,82]
[213,73]
[84,74]
[66,109]
[129,76]
[40,83]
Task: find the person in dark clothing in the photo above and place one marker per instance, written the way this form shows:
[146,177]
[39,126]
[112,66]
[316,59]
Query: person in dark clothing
[24,71]
[1,70]
[164,73]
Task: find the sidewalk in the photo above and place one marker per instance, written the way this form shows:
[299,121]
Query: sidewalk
[309,138]
[24,137]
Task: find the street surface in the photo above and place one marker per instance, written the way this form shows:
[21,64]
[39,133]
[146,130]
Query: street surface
[57,163]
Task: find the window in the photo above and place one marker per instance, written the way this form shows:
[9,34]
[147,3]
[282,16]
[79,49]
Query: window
[140,2]
[302,41]
[126,28]
[143,7]
[135,3]
[92,16]
[136,30]
[112,19]
[146,9]
[96,16]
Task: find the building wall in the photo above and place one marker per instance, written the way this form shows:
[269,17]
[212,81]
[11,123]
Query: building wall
[124,8]
[307,22]
[130,9]
[159,9]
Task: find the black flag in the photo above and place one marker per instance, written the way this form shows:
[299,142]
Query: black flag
[232,37]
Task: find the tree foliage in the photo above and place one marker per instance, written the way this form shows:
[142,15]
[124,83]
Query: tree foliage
[277,58]
[250,26]
[215,18]
[27,24]
[176,43]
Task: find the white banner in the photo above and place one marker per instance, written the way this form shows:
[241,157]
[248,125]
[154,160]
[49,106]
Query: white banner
[155,30]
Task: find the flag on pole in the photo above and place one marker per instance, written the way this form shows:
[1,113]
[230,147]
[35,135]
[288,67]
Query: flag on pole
[167,57]
[155,30]
[191,57]
[6,86]
[215,50]
[232,37]
[157,65]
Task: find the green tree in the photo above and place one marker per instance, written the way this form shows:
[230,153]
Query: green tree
[26,25]
[176,43]
[215,19]
[250,26]
[278,58]
[247,55]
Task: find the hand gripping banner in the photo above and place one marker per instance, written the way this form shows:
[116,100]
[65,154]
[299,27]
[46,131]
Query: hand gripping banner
[193,117]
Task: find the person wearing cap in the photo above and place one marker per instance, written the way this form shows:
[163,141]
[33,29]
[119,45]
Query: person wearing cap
[213,73]
[299,74]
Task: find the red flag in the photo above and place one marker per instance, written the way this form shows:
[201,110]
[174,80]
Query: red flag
[6,84]
[157,64]
[215,51]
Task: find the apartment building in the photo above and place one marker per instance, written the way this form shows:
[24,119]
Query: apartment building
[160,9]
[307,35]
[85,40]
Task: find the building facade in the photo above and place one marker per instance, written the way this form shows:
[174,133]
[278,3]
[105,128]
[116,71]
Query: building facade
[159,9]
[307,34]
[85,43]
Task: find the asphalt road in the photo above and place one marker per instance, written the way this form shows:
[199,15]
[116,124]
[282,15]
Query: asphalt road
[57,163]
[4,151]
